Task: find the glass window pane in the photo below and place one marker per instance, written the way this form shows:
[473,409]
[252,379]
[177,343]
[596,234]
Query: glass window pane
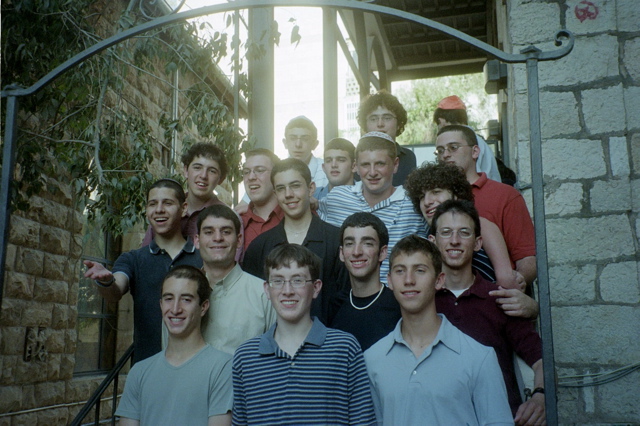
[109,332]
[88,348]
[93,240]
[89,300]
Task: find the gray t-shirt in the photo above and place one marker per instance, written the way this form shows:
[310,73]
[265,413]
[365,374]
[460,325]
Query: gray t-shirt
[158,393]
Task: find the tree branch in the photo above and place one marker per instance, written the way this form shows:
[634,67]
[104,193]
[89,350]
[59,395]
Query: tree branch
[98,124]
[58,140]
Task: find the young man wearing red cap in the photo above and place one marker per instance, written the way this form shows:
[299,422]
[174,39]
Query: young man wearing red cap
[451,110]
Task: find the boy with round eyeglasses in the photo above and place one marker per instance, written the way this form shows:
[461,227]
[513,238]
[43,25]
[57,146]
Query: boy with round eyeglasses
[299,372]
[466,300]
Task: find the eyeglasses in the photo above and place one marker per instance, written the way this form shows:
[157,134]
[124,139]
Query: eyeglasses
[450,148]
[387,118]
[464,233]
[295,186]
[303,139]
[257,171]
[295,283]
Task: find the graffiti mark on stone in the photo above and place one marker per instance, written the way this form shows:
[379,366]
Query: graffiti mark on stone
[586,10]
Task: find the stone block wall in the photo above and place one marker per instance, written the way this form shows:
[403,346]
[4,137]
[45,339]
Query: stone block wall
[39,313]
[40,299]
[590,113]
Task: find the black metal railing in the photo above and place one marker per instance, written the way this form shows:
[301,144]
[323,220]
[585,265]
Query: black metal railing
[96,398]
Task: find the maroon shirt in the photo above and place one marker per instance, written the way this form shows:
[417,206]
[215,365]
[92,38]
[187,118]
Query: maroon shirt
[478,315]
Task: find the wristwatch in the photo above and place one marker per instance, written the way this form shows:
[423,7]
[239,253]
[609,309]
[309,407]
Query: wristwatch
[105,285]
[528,393]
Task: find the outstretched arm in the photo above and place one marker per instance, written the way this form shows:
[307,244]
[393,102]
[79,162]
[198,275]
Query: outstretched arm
[111,286]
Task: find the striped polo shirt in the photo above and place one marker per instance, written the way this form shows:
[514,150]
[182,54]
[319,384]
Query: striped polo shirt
[325,382]
[396,212]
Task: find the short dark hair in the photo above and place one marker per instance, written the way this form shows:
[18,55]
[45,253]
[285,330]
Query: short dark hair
[414,244]
[343,145]
[285,254]
[171,184]
[292,164]
[362,220]
[382,99]
[370,142]
[451,116]
[302,122]
[207,150]
[467,133]
[193,274]
[437,175]
[262,151]
[462,207]
[221,211]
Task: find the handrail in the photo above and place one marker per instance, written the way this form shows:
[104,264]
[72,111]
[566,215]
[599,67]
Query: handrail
[95,398]
[563,38]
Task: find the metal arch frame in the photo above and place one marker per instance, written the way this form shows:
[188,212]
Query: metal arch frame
[529,56]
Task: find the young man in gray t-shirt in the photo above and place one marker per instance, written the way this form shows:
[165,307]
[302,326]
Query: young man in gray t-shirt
[190,381]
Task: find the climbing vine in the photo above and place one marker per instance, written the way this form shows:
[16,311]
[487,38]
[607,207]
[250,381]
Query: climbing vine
[84,127]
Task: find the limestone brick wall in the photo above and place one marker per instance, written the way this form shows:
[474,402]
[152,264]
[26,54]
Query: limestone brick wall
[41,284]
[590,112]
[39,313]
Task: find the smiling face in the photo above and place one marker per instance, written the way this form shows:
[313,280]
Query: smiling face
[414,282]
[203,175]
[181,308]
[338,167]
[164,211]
[431,199]
[300,143]
[382,120]
[217,242]
[376,169]
[457,252]
[361,252]
[292,304]
[256,176]
[293,193]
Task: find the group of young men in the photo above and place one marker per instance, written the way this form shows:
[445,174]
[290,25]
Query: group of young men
[264,312]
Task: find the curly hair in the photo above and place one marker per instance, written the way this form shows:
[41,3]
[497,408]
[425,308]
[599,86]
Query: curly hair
[382,99]
[437,175]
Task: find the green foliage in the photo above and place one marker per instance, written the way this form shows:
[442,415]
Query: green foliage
[421,98]
[83,128]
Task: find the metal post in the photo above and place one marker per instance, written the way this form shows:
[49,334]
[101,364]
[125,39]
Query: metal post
[8,164]
[363,54]
[236,86]
[330,72]
[544,297]
[261,79]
